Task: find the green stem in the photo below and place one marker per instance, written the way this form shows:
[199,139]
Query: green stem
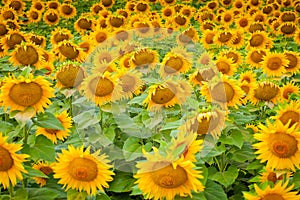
[218,163]
[71,106]
[25,133]
[11,190]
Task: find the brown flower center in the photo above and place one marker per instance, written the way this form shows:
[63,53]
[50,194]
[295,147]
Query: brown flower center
[101,86]
[257,56]
[14,39]
[70,76]
[274,63]
[116,21]
[243,22]
[83,169]
[168,177]
[8,15]
[38,6]
[267,10]
[272,197]
[256,27]
[273,177]
[52,17]
[288,17]
[256,40]
[16,5]
[187,36]
[162,95]
[293,61]
[3,29]
[290,115]
[180,20]
[224,37]
[288,29]
[143,58]
[222,92]
[266,92]
[283,145]
[173,65]
[67,10]
[101,37]
[34,15]
[209,38]
[206,125]
[84,24]
[208,74]
[223,67]
[46,170]
[68,51]
[212,5]
[107,3]
[26,94]
[245,88]
[58,37]
[36,40]
[143,27]
[141,7]
[53,5]
[128,83]
[27,55]
[105,56]
[167,12]
[227,18]
[122,35]
[6,161]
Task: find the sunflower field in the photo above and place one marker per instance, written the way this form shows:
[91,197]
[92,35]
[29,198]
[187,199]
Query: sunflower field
[150,99]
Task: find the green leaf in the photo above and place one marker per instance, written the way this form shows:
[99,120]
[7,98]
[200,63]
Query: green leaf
[226,178]
[41,194]
[102,196]
[214,191]
[296,179]
[132,148]
[6,127]
[233,137]
[123,182]
[34,172]
[75,195]
[242,118]
[21,194]
[243,154]
[86,119]
[43,148]
[48,120]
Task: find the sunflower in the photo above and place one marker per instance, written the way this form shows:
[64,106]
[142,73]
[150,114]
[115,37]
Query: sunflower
[213,5]
[8,13]
[279,191]
[167,2]
[205,16]
[268,9]
[226,3]
[297,36]
[274,64]
[164,178]
[130,81]
[60,34]
[45,168]
[188,35]
[34,16]
[96,8]
[104,66]
[143,29]
[288,16]
[288,89]
[179,21]
[11,162]
[103,54]
[224,91]
[107,3]
[174,63]
[202,75]
[225,65]
[224,37]
[259,16]
[166,94]
[288,29]
[38,5]
[227,18]
[122,12]
[205,59]
[68,50]
[51,17]
[100,36]
[3,29]
[67,10]
[272,176]
[144,57]
[142,6]
[247,87]
[255,57]
[23,92]
[101,88]
[234,55]
[294,62]
[116,21]
[265,92]
[54,134]
[11,39]
[84,23]
[256,26]
[17,5]
[289,114]
[78,169]
[248,76]
[38,40]
[27,54]
[191,145]
[278,145]
[258,40]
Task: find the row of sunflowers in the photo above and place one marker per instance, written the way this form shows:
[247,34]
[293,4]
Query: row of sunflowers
[150,99]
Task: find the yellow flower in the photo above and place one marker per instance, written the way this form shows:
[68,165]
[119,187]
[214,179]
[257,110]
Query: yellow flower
[22,92]
[279,191]
[274,64]
[54,134]
[69,50]
[45,168]
[259,40]
[144,57]
[60,34]
[78,169]
[207,38]
[34,16]
[10,163]
[225,65]
[11,39]
[67,10]
[100,36]
[70,75]
[265,91]
[273,176]
[51,17]
[293,65]
[279,146]
[255,57]
[84,23]
[289,114]
[38,5]
[288,89]
[162,177]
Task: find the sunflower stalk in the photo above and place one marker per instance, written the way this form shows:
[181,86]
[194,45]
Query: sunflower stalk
[11,190]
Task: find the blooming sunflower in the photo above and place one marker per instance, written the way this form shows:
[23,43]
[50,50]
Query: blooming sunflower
[164,178]
[96,8]
[11,162]
[289,114]
[60,34]
[265,92]
[188,35]
[274,64]
[34,16]
[144,57]
[288,89]
[297,36]
[101,88]
[8,13]
[255,57]
[130,81]
[53,4]
[11,39]
[294,61]
[27,54]
[248,76]
[234,55]
[272,176]
[44,167]
[279,145]
[103,54]
[54,134]
[141,6]
[243,22]
[225,65]
[79,169]
[51,17]
[69,50]
[38,40]
[174,63]
[17,5]
[115,21]
[225,91]
[256,26]
[279,191]
[100,35]
[288,16]
[207,38]
[258,40]
[202,75]
[288,29]
[23,92]
[84,23]
[224,37]
[69,76]
[67,10]
[107,3]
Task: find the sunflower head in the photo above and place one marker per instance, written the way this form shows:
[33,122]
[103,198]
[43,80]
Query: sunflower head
[67,10]
[143,57]
[12,38]
[59,35]
[44,167]
[84,23]
[69,76]
[293,65]
[289,114]
[265,92]
[68,50]
[288,29]
[274,63]
[288,89]
[51,17]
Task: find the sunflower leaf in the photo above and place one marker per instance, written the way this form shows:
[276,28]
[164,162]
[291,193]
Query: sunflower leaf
[48,120]
[34,172]
[75,195]
[226,178]
[214,191]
